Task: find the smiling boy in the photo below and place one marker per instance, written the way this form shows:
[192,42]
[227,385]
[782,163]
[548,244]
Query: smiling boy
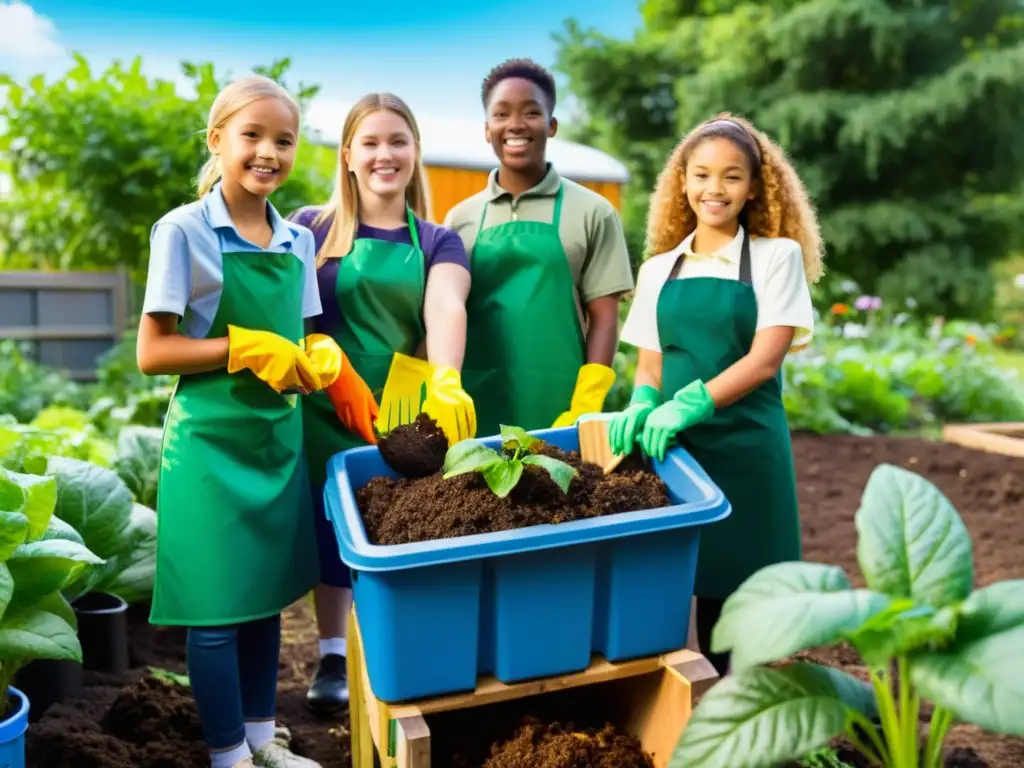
[550,265]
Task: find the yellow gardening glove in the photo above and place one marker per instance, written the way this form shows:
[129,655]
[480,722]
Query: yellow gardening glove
[326,358]
[280,363]
[403,391]
[592,385]
[450,406]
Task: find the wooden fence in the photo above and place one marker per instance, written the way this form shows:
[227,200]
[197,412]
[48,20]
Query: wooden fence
[71,318]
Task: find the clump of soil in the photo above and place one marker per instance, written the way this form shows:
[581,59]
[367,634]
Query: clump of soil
[415,450]
[426,508]
[150,724]
[558,745]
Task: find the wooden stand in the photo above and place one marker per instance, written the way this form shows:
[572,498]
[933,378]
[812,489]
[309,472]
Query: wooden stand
[653,695]
[1005,437]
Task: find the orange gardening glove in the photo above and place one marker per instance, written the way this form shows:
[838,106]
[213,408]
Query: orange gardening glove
[352,399]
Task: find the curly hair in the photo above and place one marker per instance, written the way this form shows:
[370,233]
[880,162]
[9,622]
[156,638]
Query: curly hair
[781,208]
[527,69]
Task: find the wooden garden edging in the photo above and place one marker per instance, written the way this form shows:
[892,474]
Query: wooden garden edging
[1005,437]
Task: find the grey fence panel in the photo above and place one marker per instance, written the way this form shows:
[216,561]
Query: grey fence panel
[71,318]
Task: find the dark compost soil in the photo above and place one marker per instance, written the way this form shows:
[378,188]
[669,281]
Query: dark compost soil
[415,450]
[987,490]
[430,507]
[558,745]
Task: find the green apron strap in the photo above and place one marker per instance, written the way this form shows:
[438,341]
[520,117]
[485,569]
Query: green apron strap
[413,234]
[556,217]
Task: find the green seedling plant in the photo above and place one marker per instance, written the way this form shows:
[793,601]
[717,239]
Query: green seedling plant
[40,556]
[503,470]
[921,629]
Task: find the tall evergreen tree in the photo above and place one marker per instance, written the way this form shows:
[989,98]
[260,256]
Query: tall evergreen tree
[902,117]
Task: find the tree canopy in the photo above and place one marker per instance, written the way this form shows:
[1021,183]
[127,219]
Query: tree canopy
[96,159]
[900,115]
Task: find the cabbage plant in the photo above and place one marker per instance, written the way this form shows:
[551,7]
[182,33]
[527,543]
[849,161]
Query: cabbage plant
[920,627]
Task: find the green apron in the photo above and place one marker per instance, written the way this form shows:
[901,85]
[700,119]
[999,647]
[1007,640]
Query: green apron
[235,536]
[379,290]
[706,324]
[524,343]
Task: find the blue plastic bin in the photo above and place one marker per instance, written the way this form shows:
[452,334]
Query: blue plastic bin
[522,604]
[12,731]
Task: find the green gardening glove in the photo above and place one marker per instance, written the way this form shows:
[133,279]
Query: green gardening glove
[626,425]
[691,405]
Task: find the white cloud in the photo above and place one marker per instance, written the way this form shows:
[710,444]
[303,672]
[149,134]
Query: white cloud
[24,34]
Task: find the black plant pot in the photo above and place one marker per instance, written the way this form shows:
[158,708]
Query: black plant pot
[46,682]
[103,632]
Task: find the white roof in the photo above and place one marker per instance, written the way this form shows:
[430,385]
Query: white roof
[460,143]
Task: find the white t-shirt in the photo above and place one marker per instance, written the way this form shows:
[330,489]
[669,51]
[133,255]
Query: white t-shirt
[776,273]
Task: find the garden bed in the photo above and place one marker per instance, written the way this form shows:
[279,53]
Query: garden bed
[987,490]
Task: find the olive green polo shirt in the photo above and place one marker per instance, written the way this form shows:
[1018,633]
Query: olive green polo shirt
[590,229]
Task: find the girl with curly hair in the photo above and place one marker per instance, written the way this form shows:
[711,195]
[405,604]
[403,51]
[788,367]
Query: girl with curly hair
[724,296]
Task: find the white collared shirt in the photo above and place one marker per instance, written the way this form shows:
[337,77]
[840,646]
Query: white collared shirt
[777,277]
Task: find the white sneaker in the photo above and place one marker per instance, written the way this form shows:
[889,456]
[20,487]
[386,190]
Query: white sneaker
[276,755]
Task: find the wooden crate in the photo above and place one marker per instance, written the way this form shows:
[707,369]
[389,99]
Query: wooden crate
[1005,437]
[651,698]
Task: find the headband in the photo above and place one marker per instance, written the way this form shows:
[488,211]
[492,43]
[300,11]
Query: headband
[733,125]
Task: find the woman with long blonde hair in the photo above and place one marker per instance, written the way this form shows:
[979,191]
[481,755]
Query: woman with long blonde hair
[723,298]
[389,281]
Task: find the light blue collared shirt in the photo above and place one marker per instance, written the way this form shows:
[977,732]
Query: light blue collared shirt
[186,270]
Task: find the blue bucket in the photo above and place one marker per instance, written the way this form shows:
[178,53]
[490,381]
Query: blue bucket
[526,603]
[12,731]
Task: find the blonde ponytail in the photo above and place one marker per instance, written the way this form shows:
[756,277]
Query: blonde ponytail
[343,207]
[209,175]
[237,95]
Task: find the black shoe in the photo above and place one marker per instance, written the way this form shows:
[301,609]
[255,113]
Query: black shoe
[329,692]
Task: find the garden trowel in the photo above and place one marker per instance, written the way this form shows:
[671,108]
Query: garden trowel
[595,446]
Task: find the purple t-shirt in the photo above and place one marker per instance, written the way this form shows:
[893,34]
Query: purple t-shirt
[440,245]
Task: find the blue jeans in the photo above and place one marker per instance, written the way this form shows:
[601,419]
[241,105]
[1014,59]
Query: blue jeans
[333,572]
[233,671]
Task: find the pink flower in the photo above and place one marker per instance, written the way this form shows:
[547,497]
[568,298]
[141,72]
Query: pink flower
[867,303]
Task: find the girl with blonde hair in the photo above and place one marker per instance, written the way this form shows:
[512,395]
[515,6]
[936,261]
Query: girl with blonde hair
[721,300]
[230,283]
[389,282]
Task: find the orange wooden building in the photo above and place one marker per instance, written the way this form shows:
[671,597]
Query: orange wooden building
[458,160]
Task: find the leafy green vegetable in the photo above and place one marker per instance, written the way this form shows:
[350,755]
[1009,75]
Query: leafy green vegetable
[36,621]
[502,471]
[958,648]
[138,461]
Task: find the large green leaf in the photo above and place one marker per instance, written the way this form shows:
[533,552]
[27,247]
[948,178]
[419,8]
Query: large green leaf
[96,502]
[132,578]
[981,678]
[32,633]
[789,607]
[138,461]
[58,529]
[40,500]
[911,541]
[42,567]
[763,717]
[6,588]
[13,532]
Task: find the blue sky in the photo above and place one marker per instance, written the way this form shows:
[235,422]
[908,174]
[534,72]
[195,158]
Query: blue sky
[434,58]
